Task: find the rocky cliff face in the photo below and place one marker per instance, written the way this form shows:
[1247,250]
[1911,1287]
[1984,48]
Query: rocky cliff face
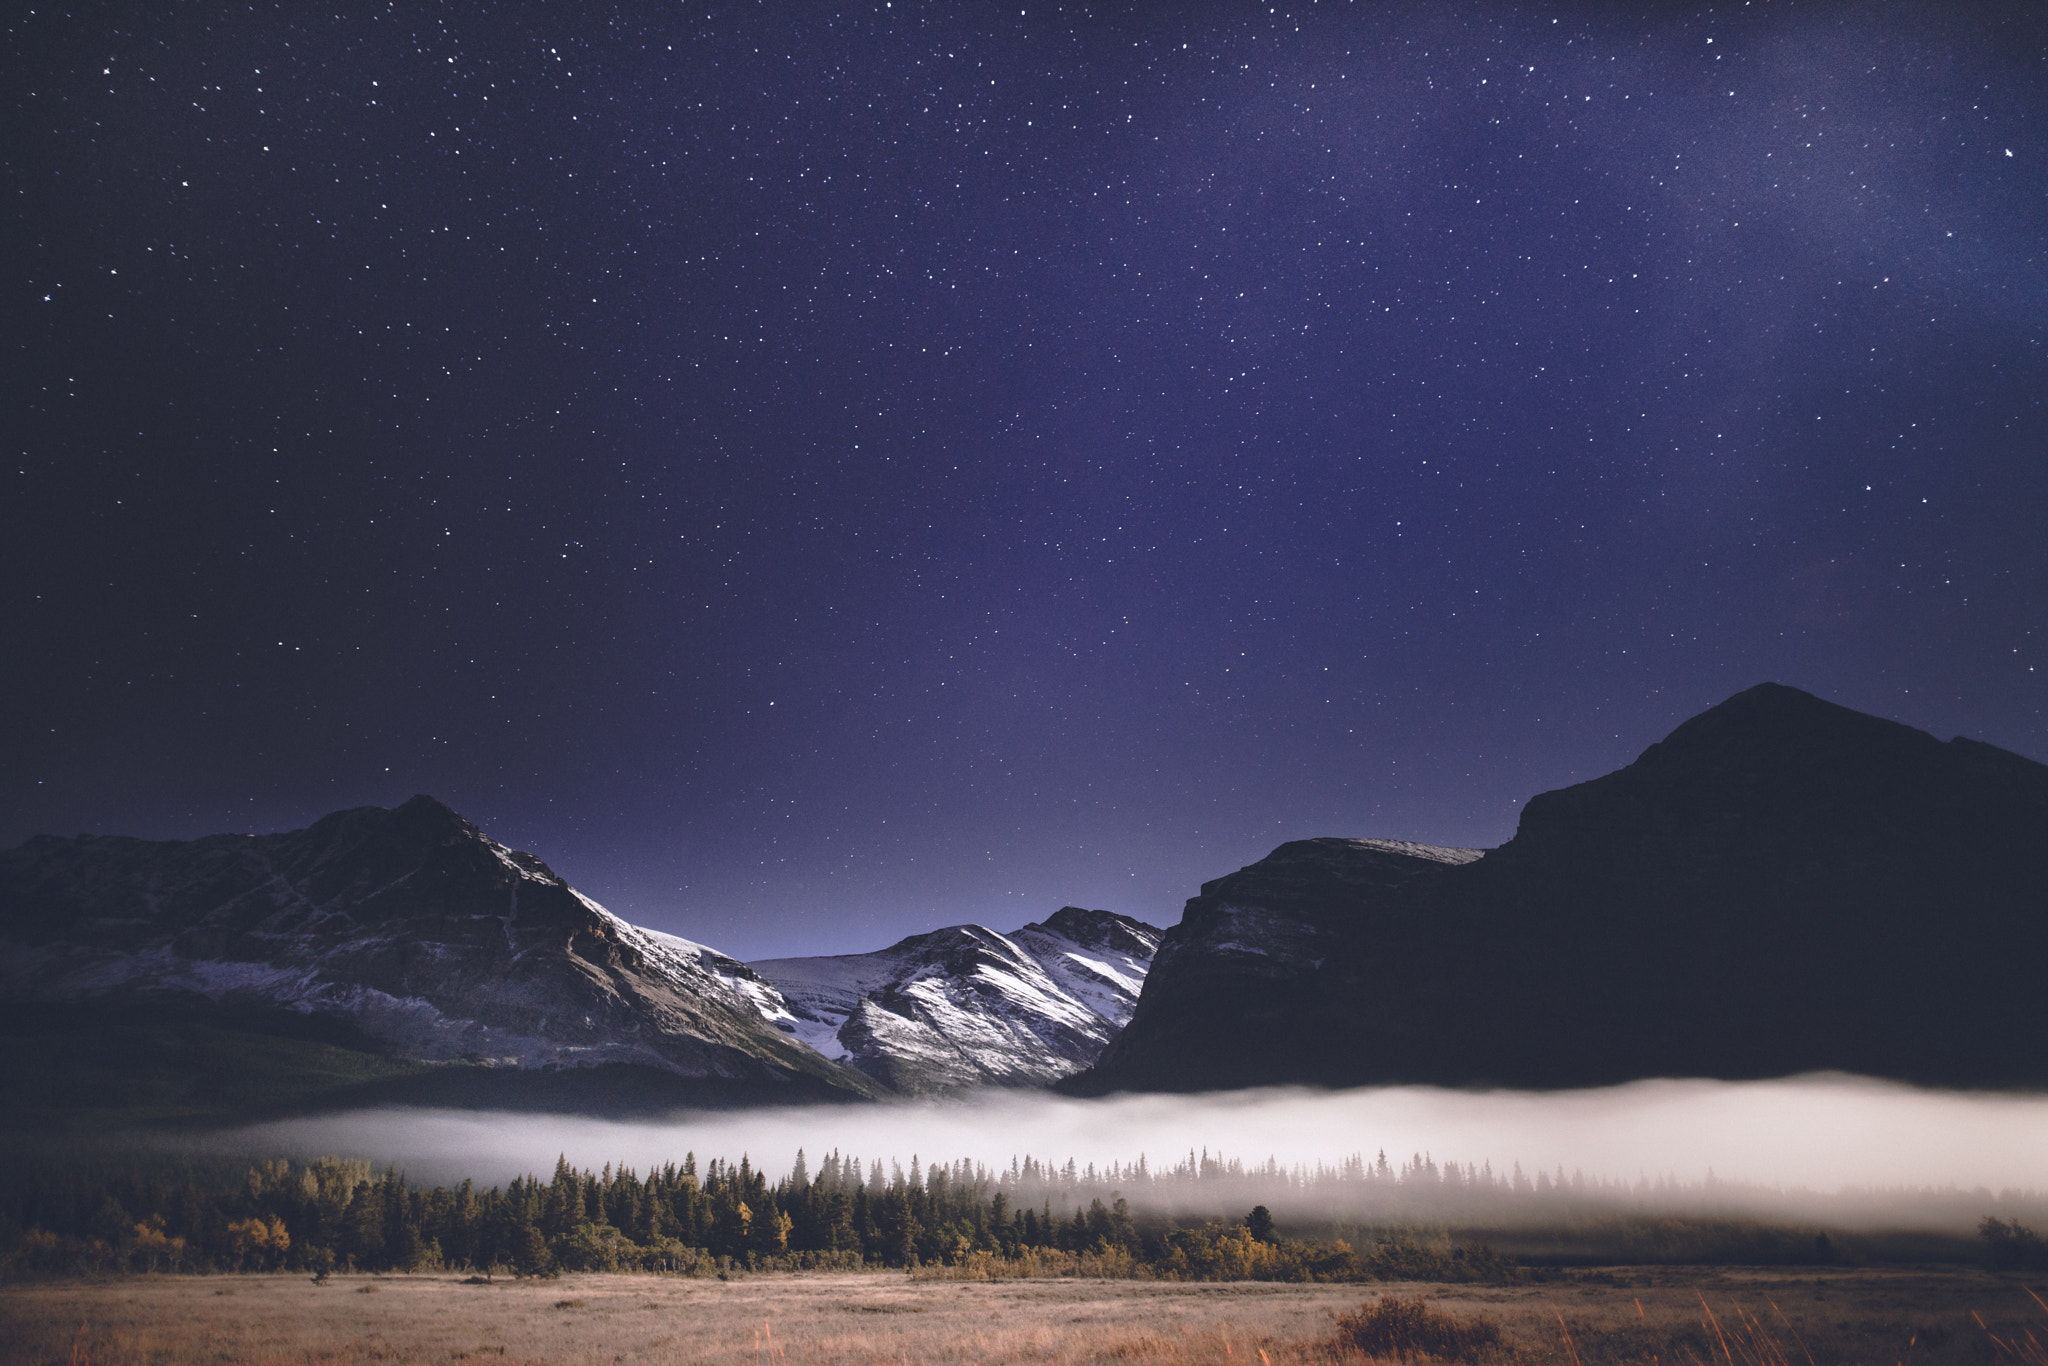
[1225,1003]
[410,925]
[966,1006]
[1781,885]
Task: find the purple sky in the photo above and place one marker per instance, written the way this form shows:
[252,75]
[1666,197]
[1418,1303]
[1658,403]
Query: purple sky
[813,475]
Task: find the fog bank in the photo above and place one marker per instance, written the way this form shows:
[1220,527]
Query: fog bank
[1813,1134]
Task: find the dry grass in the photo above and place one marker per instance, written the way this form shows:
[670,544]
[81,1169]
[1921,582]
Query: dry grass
[1393,1328]
[1667,1316]
[2028,1347]
[1663,1317]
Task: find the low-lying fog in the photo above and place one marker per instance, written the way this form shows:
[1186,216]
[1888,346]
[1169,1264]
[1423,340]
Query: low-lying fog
[1763,1147]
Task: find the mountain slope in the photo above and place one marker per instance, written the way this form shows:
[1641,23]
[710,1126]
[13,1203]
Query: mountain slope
[1780,885]
[1223,1005]
[966,1006]
[429,940]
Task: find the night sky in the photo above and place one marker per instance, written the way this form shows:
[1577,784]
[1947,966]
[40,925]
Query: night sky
[818,474]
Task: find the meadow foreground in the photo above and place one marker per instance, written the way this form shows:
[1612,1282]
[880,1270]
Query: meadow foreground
[1768,1317]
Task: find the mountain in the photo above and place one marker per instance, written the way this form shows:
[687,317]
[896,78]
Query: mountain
[1224,988]
[1780,885]
[404,955]
[966,1006]
[404,934]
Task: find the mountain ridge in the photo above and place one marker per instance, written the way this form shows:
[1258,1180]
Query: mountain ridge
[1779,885]
[422,941]
[435,941]
[965,1005]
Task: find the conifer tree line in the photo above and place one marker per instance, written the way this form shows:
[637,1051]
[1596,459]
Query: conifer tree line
[342,1214]
[1369,1219]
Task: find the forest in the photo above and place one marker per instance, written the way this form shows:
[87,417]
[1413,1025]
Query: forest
[1200,1218]
[335,1214]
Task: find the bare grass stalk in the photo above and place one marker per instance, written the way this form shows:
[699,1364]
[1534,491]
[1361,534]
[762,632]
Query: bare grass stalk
[2024,1347]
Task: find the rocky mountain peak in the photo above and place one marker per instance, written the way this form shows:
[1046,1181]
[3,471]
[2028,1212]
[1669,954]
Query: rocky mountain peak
[411,925]
[1100,929]
[968,1006]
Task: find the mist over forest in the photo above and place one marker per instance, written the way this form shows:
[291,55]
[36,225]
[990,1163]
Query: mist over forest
[1845,1151]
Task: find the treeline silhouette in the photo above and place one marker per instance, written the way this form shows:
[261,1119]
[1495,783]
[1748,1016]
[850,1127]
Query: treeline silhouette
[960,1219]
[1200,1217]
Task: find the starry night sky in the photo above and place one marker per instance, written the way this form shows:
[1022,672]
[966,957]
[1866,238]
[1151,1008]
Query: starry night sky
[817,474]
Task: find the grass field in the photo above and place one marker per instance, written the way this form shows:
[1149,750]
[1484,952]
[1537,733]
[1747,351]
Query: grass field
[1891,1317]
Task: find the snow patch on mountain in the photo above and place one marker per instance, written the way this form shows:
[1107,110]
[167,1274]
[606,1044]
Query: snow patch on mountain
[1435,853]
[967,1005]
[434,940]
[441,944]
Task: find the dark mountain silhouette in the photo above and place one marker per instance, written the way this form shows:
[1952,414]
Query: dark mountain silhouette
[1225,985]
[1781,885]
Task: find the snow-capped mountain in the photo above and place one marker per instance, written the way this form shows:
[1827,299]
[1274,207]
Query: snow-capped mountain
[430,941]
[427,937]
[967,1006]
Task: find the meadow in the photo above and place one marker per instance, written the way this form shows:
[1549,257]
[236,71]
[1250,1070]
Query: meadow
[1924,1316]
